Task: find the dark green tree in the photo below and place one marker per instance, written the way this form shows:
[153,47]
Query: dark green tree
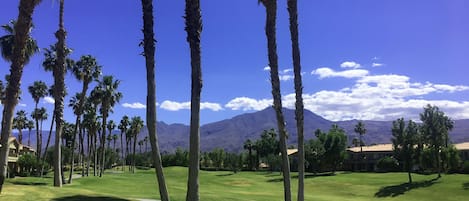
[404,140]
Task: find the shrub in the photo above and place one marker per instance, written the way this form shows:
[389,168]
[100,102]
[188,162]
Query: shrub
[465,167]
[387,164]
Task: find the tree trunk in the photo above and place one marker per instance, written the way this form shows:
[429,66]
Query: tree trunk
[299,116]
[95,155]
[82,151]
[47,144]
[103,144]
[77,125]
[133,153]
[122,151]
[271,9]
[22,27]
[59,94]
[194,28]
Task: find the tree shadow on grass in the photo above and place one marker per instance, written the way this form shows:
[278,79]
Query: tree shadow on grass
[88,198]
[224,175]
[465,186]
[396,190]
[306,176]
[28,183]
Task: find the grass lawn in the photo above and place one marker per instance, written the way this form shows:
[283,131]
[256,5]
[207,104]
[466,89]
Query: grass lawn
[244,186]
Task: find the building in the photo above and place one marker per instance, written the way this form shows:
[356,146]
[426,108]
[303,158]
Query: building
[367,159]
[16,150]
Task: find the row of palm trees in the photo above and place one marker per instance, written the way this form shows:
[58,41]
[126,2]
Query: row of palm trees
[193,27]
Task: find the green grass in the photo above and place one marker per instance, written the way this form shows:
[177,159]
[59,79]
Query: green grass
[244,186]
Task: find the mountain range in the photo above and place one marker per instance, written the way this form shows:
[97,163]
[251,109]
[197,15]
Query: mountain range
[230,134]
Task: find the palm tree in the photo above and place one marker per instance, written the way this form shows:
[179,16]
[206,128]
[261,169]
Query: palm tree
[114,140]
[149,53]
[38,90]
[20,122]
[107,90]
[19,58]
[30,126]
[91,122]
[145,140]
[7,43]
[249,146]
[140,144]
[110,126]
[299,107]
[271,11]
[123,126]
[194,28]
[59,94]
[43,158]
[361,130]
[136,124]
[86,70]
[39,115]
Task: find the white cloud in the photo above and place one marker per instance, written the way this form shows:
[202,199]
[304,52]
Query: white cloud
[267,68]
[245,103]
[376,64]
[371,97]
[350,64]
[135,105]
[48,100]
[285,77]
[325,72]
[21,104]
[176,106]
[211,106]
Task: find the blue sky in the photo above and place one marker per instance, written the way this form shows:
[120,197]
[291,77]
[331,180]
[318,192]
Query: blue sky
[362,59]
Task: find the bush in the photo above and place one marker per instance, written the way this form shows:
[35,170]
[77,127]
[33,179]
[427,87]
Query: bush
[465,167]
[387,164]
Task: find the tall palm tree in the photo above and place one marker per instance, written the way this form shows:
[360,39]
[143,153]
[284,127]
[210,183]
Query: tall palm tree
[299,107]
[107,90]
[361,130]
[20,122]
[136,124]
[38,90]
[59,94]
[43,158]
[149,53]
[271,11]
[7,43]
[194,28]
[39,115]
[91,122]
[123,126]
[30,126]
[114,140]
[110,126]
[18,59]
[86,70]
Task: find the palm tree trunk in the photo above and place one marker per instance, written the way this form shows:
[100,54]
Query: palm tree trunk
[75,129]
[103,145]
[38,143]
[22,26]
[271,10]
[193,29]
[82,151]
[59,94]
[95,155]
[299,116]
[133,153]
[43,159]
[122,151]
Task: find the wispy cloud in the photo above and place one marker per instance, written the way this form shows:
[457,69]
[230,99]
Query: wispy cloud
[21,104]
[350,64]
[48,100]
[135,105]
[176,106]
[326,72]
[245,104]
[376,64]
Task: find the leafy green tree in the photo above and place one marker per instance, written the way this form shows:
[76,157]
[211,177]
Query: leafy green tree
[20,122]
[314,155]
[335,143]
[404,140]
[27,163]
[270,31]
[217,156]
[19,57]
[268,143]
[435,128]
[193,28]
